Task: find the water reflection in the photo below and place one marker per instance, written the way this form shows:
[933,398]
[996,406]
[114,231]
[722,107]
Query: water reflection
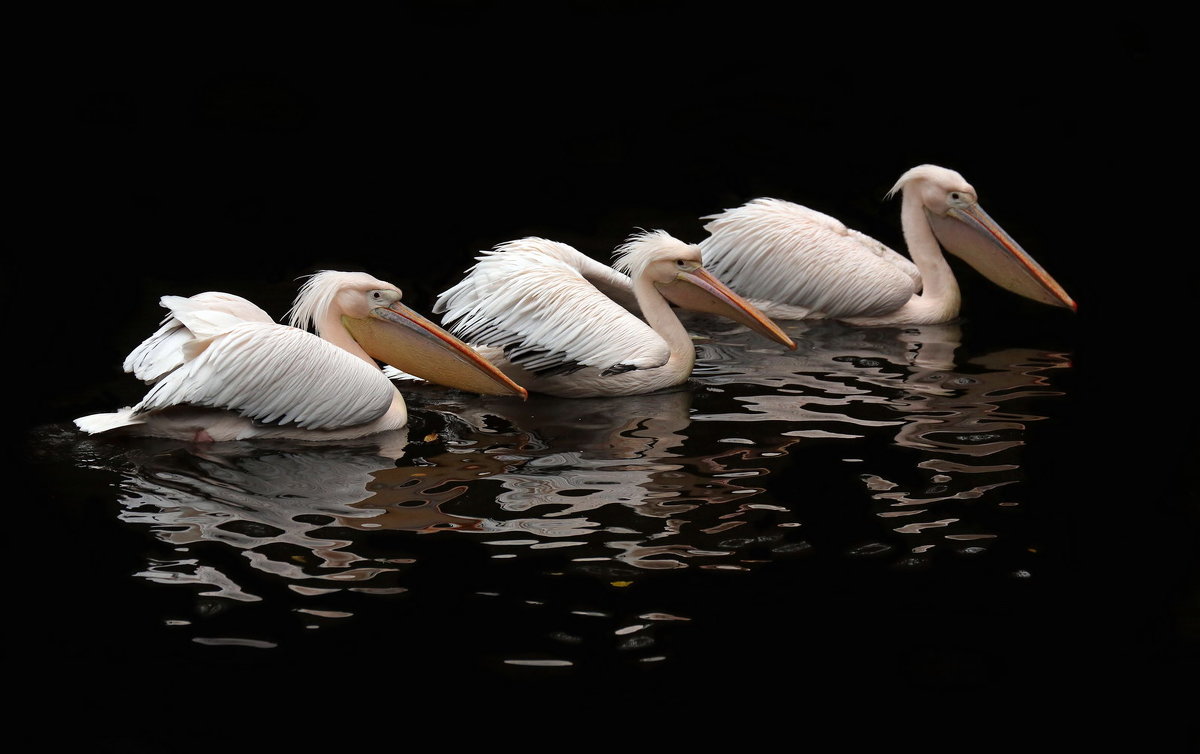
[607,479]
[966,419]
[610,487]
[615,480]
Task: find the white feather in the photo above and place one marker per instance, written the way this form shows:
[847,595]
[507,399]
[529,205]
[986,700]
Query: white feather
[97,423]
[162,352]
[523,297]
[777,251]
[275,374]
[613,283]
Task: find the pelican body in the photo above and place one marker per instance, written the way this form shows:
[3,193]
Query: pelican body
[221,369]
[536,309]
[793,262]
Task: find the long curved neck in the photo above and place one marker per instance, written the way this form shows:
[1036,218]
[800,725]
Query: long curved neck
[663,320]
[331,329]
[613,284]
[939,288]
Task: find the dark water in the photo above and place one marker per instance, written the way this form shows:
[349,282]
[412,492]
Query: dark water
[877,530]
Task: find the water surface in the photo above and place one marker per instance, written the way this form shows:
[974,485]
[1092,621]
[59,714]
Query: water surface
[865,513]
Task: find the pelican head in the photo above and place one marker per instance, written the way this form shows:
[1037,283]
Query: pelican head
[677,270]
[370,311]
[962,227]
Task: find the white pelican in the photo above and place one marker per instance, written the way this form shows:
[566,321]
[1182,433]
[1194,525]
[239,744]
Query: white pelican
[796,263]
[528,307]
[221,369]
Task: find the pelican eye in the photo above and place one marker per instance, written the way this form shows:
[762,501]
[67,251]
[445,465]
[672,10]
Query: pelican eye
[383,297]
[961,197]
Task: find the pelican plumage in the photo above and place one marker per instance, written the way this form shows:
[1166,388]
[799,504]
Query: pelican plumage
[532,308]
[797,263]
[221,369]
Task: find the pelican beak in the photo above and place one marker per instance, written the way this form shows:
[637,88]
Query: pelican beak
[399,336]
[971,235]
[701,292]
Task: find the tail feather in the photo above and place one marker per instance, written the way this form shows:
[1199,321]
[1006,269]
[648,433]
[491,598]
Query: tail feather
[97,423]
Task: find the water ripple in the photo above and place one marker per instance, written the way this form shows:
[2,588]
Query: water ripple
[700,479]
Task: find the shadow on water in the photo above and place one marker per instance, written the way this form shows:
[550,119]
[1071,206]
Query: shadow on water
[852,517]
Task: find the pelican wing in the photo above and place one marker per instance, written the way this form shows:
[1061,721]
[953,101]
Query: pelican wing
[616,285]
[271,373]
[773,250]
[162,352]
[546,316]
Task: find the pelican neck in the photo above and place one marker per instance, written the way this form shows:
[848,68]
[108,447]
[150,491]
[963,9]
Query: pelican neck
[662,319]
[939,288]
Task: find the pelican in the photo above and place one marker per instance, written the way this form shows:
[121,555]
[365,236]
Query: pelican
[796,263]
[220,369]
[529,308]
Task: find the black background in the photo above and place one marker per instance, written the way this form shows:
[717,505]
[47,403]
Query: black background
[187,152]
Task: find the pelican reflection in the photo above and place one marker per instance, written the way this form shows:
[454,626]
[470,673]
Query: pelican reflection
[610,476]
[964,416]
[601,477]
